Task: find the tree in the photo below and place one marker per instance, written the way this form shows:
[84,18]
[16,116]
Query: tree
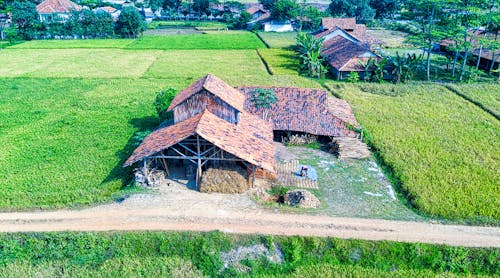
[267,4]
[171,4]
[285,10]
[25,18]
[309,50]
[404,68]
[130,23]
[162,102]
[263,99]
[384,8]
[238,22]
[360,9]
[426,14]
[201,7]
[310,18]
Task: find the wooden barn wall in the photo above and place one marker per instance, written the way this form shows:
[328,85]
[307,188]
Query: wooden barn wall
[201,101]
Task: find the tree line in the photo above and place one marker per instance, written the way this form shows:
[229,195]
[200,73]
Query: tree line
[85,23]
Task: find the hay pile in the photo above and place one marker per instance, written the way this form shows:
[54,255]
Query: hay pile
[224,180]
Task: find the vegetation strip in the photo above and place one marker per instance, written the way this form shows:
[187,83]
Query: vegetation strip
[196,254]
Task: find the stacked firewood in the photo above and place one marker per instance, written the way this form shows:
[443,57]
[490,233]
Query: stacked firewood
[347,147]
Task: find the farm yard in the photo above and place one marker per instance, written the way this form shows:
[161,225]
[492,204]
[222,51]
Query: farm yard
[69,121]
[97,99]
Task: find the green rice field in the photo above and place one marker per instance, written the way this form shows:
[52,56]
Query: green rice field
[240,40]
[444,150]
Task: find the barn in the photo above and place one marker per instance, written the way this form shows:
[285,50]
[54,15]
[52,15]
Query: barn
[216,124]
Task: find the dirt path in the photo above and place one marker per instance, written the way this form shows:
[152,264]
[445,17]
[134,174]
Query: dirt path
[177,208]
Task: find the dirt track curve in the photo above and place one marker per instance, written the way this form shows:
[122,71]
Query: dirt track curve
[178,209]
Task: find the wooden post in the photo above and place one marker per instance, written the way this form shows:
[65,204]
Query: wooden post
[198,172]
[145,168]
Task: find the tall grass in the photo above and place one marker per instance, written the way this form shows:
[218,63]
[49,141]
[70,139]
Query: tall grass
[159,253]
[444,150]
[486,95]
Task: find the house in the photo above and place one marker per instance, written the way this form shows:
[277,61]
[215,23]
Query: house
[56,10]
[115,13]
[346,27]
[346,46]
[345,56]
[259,16]
[277,26]
[215,123]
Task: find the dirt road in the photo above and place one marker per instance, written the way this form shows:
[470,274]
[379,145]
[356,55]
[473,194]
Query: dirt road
[177,208]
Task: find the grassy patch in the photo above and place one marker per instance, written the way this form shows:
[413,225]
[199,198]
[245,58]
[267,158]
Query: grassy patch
[237,67]
[64,140]
[353,188]
[183,23]
[281,61]
[195,254]
[66,44]
[442,148]
[390,37]
[228,64]
[244,40]
[485,94]
[279,40]
[98,63]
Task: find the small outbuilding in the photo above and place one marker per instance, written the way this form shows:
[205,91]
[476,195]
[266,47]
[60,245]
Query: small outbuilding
[56,10]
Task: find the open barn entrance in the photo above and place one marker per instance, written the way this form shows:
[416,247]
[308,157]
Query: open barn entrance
[191,157]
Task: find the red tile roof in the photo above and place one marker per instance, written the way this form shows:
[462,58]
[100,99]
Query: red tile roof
[344,23]
[305,110]
[345,55]
[108,9]
[215,86]
[57,6]
[250,140]
[256,8]
[348,25]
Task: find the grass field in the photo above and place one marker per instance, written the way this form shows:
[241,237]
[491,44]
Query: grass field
[183,23]
[157,254]
[486,95]
[98,63]
[281,61]
[392,39]
[65,44]
[242,40]
[279,40]
[443,149]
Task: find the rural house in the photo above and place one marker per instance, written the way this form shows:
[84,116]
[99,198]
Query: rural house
[115,13]
[346,46]
[215,124]
[56,10]
[347,28]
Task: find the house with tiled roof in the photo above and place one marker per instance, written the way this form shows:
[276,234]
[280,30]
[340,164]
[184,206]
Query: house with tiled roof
[115,13]
[346,46]
[345,56]
[348,28]
[56,10]
[215,123]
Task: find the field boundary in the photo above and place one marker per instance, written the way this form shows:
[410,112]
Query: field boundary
[469,99]
[262,39]
[265,63]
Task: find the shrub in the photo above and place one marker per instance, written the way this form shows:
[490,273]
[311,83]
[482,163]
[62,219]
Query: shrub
[353,77]
[162,102]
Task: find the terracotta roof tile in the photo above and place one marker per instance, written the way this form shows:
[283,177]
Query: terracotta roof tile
[344,23]
[344,55]
[250,140]
[305,110]
[57,6]
[215,86]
